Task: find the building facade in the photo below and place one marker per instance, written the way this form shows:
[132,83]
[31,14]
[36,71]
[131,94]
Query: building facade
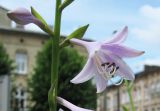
[145,93]
[4,20]
[22,47]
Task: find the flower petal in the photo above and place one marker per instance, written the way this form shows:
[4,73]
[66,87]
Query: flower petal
[69,105]
[78,42]
[85,74]
[124,70]
[122,51]
[101,83]
[119,36]
[91,47]
[21,16]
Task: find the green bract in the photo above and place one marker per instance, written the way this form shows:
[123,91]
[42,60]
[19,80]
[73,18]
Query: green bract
[65,4]
[78,33]
[39,17]
[124,108]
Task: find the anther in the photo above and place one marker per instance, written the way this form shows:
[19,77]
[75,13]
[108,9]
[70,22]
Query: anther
[104,64]
[113,70]
[117,68]
[113,64]
[107,63]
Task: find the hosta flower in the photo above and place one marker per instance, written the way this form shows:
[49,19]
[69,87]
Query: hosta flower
[105,60]
[69,105]
[23,16]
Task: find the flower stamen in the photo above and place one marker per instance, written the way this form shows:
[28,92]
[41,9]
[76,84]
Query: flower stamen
[107,70]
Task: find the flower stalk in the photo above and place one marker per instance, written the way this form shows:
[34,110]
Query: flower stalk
[55,58]
[129,87]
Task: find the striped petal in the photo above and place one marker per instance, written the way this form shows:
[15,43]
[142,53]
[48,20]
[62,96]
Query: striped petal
[78,42]
[101,83]
[21,16]
[122,51]
[119,36]
[69,105]
[86,73]
[124,70]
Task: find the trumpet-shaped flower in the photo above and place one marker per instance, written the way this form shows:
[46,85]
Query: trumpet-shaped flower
[23,16]
[69,105]
[105,60]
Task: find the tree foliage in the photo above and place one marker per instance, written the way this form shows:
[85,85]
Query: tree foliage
[70,64]
[6,65]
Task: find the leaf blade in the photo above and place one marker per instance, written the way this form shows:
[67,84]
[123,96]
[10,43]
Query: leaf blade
[78,33]
[37,15]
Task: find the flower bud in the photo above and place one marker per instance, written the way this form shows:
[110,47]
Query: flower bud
[21,16]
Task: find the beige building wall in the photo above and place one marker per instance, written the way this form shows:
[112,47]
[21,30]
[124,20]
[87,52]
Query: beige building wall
[17,40]
[22,41]
[29,43]
[4,20]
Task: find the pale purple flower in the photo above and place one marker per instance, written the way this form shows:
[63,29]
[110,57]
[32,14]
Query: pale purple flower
[105,60]
[23,16]
[69,105]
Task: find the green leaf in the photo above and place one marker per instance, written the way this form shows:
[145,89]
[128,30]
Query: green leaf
[45,27]
[37,15]
[65,4]
[52,95]
[78,33]
[124,108]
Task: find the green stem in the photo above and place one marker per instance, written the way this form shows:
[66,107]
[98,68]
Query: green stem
[129,91]
[131,100]
[55,59]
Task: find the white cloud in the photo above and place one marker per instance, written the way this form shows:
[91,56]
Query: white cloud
[150,32]
[149,61]
[151,12]
[138,67]
[154,61]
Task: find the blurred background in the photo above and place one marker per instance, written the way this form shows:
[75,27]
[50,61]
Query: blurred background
[24,54]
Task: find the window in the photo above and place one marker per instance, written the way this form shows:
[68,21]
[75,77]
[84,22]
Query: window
[146,94]
[115,99]
[125,98]
[158,109]
[20,100]
[153,109]
[21,63]
[138,94]
[146,110]
[108,102]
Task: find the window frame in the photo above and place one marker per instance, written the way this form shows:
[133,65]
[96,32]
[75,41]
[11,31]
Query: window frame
[21,57]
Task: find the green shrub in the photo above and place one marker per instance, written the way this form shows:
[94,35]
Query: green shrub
[6,66]
[70,64]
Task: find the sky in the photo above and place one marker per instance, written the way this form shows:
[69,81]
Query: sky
[104,16]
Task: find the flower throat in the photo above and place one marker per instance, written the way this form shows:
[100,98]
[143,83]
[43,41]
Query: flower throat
[107,70]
